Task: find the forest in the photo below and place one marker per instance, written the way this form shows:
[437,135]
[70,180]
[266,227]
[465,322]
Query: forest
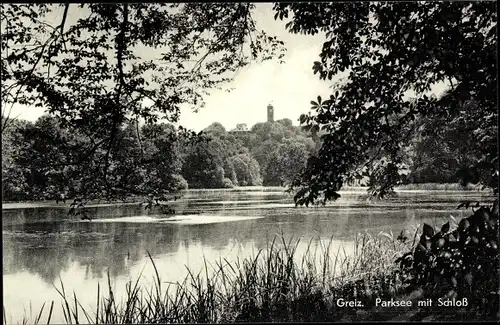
[93,83]
[113,78]
[40,159]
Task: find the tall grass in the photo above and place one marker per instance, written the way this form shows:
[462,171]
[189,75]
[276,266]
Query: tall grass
[275,284]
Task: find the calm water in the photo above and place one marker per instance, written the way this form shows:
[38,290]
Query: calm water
[43,245]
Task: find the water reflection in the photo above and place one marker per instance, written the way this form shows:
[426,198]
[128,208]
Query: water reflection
[43,244]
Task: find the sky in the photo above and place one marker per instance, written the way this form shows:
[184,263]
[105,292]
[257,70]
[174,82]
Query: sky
[289,86]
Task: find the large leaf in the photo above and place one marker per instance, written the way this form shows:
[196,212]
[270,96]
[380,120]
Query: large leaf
[427,231]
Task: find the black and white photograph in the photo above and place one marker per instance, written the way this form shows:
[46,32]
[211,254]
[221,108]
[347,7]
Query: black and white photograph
[234,162]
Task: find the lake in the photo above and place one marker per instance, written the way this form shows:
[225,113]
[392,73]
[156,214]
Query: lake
[42,244]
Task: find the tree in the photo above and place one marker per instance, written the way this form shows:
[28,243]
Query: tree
[246,170]
[43,159]
[161,150]
[296,154]
[307,142]
[388,50]
[285,162]
[229,171]
[14,186]
[203,167]
[216,129]
[248,140]
[269,130]
[455,145]
[89,74]
[262,152]
[286,122]
[458,150]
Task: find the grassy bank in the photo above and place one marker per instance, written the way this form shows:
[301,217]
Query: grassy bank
[406,187]
[132,200]
[275,285]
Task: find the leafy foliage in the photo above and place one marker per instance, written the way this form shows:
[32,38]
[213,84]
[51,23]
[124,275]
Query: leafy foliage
[285,162]
[246,169]
[119,63]
[390,50]
[45,161]
[227,183]
[460,157]
[13,185]
[458,261]
[203,167]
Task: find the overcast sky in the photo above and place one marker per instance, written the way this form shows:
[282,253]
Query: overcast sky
[289,86]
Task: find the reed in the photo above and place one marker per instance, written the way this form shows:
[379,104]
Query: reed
[279,285]
[276,284]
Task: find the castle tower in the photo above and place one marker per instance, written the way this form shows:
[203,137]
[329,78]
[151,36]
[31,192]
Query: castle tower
[270,113]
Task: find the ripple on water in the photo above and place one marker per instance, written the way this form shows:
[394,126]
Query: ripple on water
[205,219]
[194,219]
[133,219]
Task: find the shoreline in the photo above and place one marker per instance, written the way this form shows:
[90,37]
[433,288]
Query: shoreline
[279,279]
[8,205]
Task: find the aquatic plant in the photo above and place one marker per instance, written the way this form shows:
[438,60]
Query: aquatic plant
[459,261]
[274,285]
[278,285]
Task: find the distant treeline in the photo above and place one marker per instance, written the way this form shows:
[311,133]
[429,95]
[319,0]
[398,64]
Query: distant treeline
[41,160]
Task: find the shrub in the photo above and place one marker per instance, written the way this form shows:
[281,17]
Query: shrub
[229,170]
[180,182]
[458,262]
[277,285]
[226,183]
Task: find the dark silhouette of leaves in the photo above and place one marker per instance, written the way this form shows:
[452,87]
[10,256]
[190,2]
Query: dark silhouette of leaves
[118,64]
[445,228]
[388,49]
[427,231]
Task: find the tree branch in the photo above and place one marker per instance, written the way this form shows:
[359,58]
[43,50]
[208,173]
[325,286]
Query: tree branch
[120,48]
[139,135]
[65,14]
